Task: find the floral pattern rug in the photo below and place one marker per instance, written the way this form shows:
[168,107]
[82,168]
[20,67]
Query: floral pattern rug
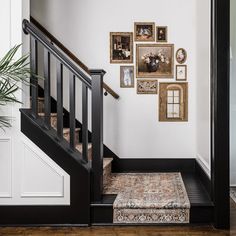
[149,198]
[233,193]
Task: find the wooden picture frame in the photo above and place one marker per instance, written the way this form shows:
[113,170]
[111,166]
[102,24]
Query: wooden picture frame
[181,55]
[181,72]
[127,76]
[121,47]
[173,102]
[144,31]
[162,34]
[147,86]
[155,60]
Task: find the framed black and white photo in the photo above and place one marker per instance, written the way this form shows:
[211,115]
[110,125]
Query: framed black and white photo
[127,77]
[121,47]
[181,72]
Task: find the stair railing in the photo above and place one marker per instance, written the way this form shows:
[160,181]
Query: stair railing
[93,81]
[71,55]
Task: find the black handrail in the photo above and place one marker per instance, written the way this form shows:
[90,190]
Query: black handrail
[29,28]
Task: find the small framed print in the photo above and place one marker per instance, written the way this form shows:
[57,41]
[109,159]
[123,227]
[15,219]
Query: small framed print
[127,76]
[181,72]
[121,47]
[144,31]
[147,86]
[161,32]
[181,56]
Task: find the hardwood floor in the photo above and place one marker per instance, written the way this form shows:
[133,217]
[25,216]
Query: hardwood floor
[123,231]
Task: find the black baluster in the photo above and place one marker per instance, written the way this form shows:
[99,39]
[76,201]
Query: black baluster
[34,80]
[72,110]
[85,121]
[60,100]
[47,88]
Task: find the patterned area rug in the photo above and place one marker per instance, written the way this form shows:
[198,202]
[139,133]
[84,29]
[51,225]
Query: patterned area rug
[149,198]
[233,193]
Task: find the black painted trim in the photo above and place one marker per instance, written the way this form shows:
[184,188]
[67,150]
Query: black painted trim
[152,165]
[204,177]
[220,67]
[78,212]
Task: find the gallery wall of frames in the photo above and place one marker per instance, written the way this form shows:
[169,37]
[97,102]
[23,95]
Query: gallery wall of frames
[156,59]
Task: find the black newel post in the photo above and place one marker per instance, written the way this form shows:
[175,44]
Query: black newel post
[97,133]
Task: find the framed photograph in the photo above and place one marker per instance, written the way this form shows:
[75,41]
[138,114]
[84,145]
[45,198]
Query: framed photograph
[127,77]
[181,56]
[173,102]
[147,86]
[121,47]
[144,31]
[155,60]
[181,72]
[161,33]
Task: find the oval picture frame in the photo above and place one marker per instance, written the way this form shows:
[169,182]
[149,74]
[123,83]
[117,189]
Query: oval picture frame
[181,58]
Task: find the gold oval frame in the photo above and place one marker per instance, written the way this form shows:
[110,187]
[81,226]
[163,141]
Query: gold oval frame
[185,58]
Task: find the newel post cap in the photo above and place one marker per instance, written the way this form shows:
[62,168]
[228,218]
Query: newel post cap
[97,72]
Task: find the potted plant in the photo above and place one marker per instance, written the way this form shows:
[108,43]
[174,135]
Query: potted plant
[11,73]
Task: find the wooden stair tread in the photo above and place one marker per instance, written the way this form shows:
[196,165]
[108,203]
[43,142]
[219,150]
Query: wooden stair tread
[67,130]
[39,98]
[43,114]
[79,146]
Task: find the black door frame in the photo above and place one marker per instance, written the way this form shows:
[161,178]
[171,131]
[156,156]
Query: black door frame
[220,67]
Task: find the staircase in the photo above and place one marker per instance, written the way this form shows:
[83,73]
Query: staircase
[104,189]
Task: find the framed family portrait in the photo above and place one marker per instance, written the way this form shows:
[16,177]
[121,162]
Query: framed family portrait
[181,56]
[173,102]
[144,31]
[161,32]
[147,86]
[121,47]
[181,72]
[155,60]
[127,77]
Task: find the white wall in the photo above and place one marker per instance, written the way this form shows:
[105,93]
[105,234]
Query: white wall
[203,83]
[131,127]
[27,175]
[233,94]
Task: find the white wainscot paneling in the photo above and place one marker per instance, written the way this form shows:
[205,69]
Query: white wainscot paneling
[41,177]
[5,168]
